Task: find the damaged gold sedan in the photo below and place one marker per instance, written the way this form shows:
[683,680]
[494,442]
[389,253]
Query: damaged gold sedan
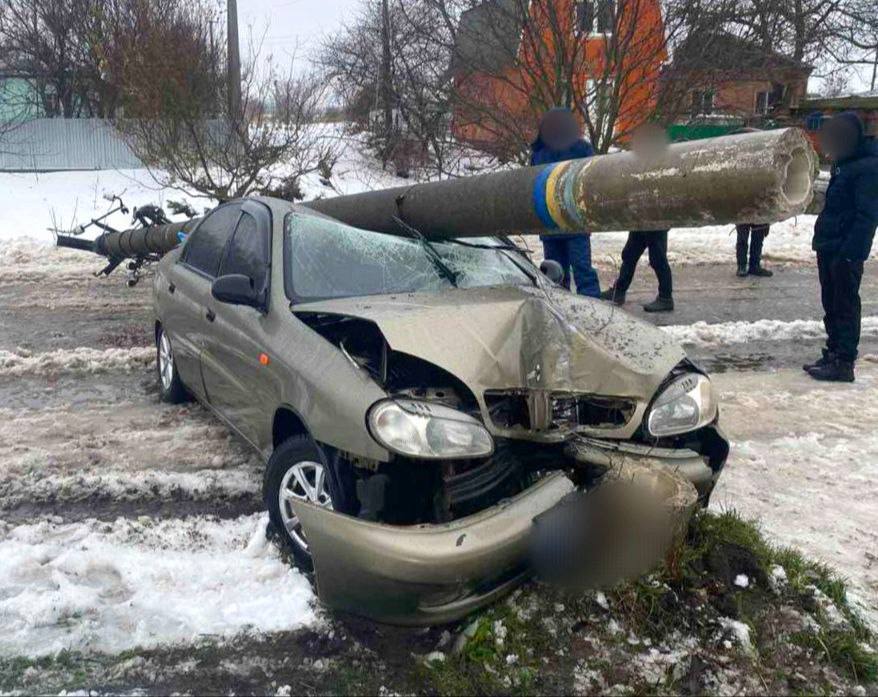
[419,403]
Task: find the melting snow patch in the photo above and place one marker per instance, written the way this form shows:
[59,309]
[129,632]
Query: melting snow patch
[739,631]
[778,576]
[125,486]
[709,335]
[742,581]
[78,360]
[110,587]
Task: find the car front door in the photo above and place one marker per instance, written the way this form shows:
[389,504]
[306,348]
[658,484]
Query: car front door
[238,373]
[189,281]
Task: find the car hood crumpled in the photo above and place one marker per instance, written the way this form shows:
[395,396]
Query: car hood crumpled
[513,337]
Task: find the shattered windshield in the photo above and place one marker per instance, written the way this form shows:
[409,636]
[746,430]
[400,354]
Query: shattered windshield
[326,259]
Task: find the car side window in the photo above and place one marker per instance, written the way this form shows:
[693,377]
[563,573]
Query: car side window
[205,248]
[248,252]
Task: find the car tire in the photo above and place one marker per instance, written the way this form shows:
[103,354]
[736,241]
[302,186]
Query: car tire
[298,460]
[171,388]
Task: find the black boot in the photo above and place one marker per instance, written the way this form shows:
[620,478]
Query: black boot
[660,304]
[825,359]
[616,296]
[834,371]
[756,268]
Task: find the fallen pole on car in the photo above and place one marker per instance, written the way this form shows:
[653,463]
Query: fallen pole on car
[759,177]
[754,177]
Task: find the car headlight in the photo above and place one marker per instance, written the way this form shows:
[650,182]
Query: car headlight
[687,404]
[428,430]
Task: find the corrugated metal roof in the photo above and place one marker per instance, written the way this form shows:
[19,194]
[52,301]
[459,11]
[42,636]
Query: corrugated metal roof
[48,145]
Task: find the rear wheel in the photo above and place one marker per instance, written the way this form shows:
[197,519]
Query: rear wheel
[171,388]
[298,471]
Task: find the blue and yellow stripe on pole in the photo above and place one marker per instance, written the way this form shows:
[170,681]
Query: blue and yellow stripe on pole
[553,196]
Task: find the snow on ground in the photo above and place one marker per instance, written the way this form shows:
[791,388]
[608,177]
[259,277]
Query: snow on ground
[707,335]
[789,242]
[109,587]
[804,462]
[83,361]
[127,451]
[80,360]
[33,203]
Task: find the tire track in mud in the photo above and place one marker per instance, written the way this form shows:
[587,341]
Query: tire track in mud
[123,458]
[81,360]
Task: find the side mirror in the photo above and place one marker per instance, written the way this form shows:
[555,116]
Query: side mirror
[552,270]
[236,289]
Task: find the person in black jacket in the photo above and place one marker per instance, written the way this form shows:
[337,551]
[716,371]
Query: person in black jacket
[843,237]
[649,140]
[751,237]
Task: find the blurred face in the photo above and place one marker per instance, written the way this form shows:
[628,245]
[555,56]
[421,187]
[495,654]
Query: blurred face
[649,139]
[559,130]
[838,139]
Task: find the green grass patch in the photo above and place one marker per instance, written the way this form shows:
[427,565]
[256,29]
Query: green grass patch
[844,650]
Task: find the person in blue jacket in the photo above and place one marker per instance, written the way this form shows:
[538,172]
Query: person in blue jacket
[843,237]
[560,138]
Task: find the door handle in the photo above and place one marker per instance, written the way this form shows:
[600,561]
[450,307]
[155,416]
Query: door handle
[211,315]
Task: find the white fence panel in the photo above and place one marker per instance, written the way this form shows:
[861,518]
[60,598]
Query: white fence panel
[52,145]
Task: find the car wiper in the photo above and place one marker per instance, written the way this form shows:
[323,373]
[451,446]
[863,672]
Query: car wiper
[430,251]
[508,246]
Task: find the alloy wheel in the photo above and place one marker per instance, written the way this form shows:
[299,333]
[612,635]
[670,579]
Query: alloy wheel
[304,481]
[166,362]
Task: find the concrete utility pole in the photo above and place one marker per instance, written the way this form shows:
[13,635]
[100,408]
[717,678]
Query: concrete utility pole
[234,60]
[764,177]
[386,78]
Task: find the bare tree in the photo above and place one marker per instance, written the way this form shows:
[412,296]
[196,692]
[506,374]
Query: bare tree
[36,45]
[514,59]
[856,37]
[391,67]
[177,116]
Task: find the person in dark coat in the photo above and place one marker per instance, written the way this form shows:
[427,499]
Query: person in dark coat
[750,239]
[647,140]
[843,237]
[560,138]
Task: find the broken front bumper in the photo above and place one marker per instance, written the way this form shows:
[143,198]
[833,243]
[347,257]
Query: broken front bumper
[701,467]
[425,574]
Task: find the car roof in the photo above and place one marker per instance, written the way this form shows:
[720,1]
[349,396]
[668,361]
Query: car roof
[280,207]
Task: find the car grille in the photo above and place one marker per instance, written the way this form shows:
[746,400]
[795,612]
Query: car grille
[541,411]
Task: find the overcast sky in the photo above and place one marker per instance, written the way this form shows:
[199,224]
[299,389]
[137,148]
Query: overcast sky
[292,26]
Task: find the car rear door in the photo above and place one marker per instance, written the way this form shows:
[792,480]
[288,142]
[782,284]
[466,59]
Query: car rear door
[237,370]
[189,280]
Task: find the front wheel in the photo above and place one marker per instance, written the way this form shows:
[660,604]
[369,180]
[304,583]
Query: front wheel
[171,388]
[298,470]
